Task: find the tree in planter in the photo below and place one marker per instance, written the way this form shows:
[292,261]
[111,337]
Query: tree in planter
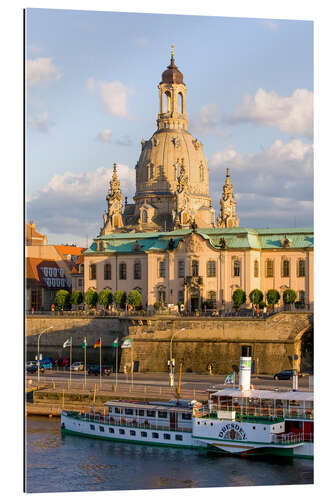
[105,298]
[157,306]
[91,298]
[62,299]
[256,296]
[120,299]
[134,298]
[289,296]
[76,298]
[238,298]
[272,297]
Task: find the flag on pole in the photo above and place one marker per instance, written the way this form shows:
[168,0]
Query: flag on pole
[84,343]
[115,342]
[230,379]
[67,343]
[127,343]
[97,343]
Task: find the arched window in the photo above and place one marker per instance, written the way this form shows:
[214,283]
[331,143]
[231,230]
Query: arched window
[285,268]
[211,268]
[256,269]
[144,216]
[236,268]
[269,268]
[195,268]
[211,300]
[180,103]
[181,269]
[301,268]
[162,269]
[107,271]
[122,271]
[137,270]
[166,102]
[151,171]
[92,271]
[201,172]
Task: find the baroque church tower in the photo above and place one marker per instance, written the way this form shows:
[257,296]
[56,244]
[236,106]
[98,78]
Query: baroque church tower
[227,217]
[113,219]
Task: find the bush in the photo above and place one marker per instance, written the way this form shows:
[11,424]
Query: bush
[120,299]
[76,298]
[256,296]
[157,306]
[272,297]
[105,298]
[91,298]
[62,299]
[134,298]
[289,296]
[238,298]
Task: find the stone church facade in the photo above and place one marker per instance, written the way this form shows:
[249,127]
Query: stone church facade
[168,244]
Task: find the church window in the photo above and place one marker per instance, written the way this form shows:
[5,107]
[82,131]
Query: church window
[301,268]
[162,269]
[269,268]
[285,268]
[92,272]
[107,271]
[211,268]
[144,216]
[122,271]
[236,268]
[151,171]
[181,269]
[256,269]
[211,300]
[160,170]
[201,171]
[195,268]
[180,103]
[137,270]
[181,296]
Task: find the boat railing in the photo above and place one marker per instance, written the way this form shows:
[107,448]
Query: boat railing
[122,422]
[255,411]
[288,438]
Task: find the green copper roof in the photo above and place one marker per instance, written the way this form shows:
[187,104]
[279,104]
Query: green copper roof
[235,238]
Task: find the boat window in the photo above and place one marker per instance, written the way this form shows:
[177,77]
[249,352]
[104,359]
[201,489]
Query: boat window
[254,427]
[179,437]
[198,422]
[121,431]
[186,416]
[143,434]
[166,436]
[117,410]
[162,414]
[110,410]
[111,430]
[132,433]
[141,413]
[101,428]
[211,423]
[155,435]
[264,428]
[92,427]
[128,411]
[151,413]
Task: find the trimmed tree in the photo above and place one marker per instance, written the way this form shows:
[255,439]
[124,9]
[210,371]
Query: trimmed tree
[238,298]
[120,299]
[91,298]
[134,298]
[76,298]
[256,296]
[105,298]
[289,296]
[62,299]
[157,306]
[272,297]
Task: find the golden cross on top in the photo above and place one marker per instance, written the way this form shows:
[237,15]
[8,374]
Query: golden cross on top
[172,51]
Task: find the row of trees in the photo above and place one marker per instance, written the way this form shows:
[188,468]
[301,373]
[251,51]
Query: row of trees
[256,297]
[105,298]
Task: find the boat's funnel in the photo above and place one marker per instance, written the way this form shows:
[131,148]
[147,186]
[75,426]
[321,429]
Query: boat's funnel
[245,373]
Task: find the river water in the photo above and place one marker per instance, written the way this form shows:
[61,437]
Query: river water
[56,463]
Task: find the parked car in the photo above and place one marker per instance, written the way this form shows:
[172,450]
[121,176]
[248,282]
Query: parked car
[283,375]
[76,366]
[46,363]
[95,370]
[34,369]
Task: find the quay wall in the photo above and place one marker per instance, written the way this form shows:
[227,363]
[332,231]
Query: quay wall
[218,342]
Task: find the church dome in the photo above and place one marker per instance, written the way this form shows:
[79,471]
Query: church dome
[172,74]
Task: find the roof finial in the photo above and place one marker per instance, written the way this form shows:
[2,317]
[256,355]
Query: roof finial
[172,51]
[228,175]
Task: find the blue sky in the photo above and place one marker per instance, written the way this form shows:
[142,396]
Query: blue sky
[92,96]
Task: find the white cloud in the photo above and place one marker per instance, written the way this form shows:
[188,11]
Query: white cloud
[293,114]
[41,71]
[271,186]
[73,203]
[41,123]
[104,135]
[208,122]
[114,96]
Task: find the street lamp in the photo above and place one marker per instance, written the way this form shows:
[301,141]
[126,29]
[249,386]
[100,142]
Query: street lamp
[171,361]
[38,362]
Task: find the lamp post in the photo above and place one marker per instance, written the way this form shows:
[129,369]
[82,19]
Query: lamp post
[38,362]
[172,361]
